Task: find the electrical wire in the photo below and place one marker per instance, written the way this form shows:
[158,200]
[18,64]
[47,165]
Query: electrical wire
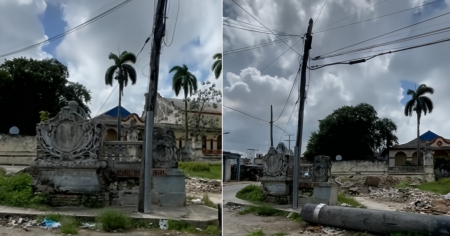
[289,96]
[413,37]
[106,100]
[234,109]
[80,26]
[352,14]
[383,34]
[259,31]
[390,14]
[279,56]
[315,22]
[295,106]
[175,27]
[364,59]
[243,49]
[253,27]
[264,26]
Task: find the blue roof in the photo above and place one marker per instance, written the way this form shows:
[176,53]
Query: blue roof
[113,112]
[428,136]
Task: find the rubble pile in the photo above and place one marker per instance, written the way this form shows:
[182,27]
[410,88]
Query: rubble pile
[18,222]
[407,195]
[198,185]
[234,207]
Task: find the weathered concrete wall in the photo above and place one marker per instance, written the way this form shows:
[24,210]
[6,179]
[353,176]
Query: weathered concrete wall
[17,149]
[358,167]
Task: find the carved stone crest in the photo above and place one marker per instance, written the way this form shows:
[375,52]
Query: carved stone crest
[68,137]
[164,148]
[321,168]
[428,158]
[275,163]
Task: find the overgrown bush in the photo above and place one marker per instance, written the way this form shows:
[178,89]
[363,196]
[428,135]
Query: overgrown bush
[69,225]
[111,220]
[194,166]
[16,190]
[181,226]
[251,193]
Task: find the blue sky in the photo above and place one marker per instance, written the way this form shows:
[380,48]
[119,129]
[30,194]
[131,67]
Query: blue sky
[53,24]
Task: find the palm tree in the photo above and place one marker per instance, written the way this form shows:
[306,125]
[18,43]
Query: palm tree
[217,65]
[419,103]
[184,79]
[121,71]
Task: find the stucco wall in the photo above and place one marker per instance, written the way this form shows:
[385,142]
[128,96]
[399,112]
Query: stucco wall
[17,150]
[358,167]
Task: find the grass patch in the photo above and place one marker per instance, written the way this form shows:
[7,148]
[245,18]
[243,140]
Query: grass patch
[181,226]
[212,230]
[251,193]
[208,201]
[16,191]
[349,200]
[111,220]
[201,170]
[295,217]
[442,186]
[256,233]
[144,224]
[402,185]
[69,225]
[263,211]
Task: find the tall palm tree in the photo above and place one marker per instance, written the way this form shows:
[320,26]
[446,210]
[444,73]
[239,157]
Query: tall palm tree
[217,65]
[419,103]
[121,71]
[184,79]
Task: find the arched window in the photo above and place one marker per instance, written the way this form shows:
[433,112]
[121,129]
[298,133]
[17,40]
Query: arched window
[219,142]
[204,142]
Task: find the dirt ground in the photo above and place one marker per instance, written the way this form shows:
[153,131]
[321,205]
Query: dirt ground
[36,231]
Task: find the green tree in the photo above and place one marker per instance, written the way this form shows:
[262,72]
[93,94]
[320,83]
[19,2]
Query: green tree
[121,71]
[184,79]
[205,98]
[28,86]
[217,65]
[419,104]
[355,133]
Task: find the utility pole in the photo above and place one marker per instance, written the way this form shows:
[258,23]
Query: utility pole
[298,145]
[271,126]
[158,34]
[289,141]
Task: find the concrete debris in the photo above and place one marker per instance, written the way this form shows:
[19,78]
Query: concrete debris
[321,230]
[234,207]
[18,222]
[198,185]
[197,201]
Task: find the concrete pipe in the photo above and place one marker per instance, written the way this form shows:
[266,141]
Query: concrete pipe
[375,221]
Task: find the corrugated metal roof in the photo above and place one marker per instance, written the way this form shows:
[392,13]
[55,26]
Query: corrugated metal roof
[113,112]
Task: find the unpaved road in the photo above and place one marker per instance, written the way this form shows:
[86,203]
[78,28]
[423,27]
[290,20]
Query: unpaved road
[36,231]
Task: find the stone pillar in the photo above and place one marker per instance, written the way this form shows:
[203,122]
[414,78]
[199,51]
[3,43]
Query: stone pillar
[169,188]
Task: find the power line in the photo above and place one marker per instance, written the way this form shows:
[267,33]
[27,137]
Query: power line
[295,105]
[175,27]
[279,56]
[234,109]
[106,100]
[413,37]
[315,22]
[243,49]
[264,26]
[117,7]
[287,100]
[382,34]
[255,27]
[352,14]
[390,14]
[259,31]
[364,59]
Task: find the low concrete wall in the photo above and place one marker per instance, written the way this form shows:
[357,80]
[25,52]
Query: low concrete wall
[17,149]
[358,167]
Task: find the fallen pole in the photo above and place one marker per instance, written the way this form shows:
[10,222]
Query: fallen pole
[375,221]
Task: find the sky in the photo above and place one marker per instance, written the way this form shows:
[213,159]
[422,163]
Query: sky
[85,52]
[252,84]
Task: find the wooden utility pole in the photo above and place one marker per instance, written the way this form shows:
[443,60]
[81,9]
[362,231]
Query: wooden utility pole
[298,145]
[158,34]
[271,126]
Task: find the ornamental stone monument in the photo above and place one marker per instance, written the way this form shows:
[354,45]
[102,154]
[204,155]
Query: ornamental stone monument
[169,186]
[67,161]
[275,167]
[324,191]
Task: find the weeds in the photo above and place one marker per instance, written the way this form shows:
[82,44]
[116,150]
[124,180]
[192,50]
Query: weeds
[201,170]
[208,201]
[295,217]
[111,220]
[212,230]
[251,193]
[256,233]
[69,225]
[350,201]
[16,191]
[181,226]
[263,211]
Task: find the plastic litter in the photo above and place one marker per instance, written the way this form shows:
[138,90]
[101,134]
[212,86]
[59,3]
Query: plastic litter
[163,224]
[447,196]
[50,224]
[88,225]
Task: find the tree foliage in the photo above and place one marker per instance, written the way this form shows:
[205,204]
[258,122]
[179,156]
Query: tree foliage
[217,65]
[355,133]
[28,86]
[205,98]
